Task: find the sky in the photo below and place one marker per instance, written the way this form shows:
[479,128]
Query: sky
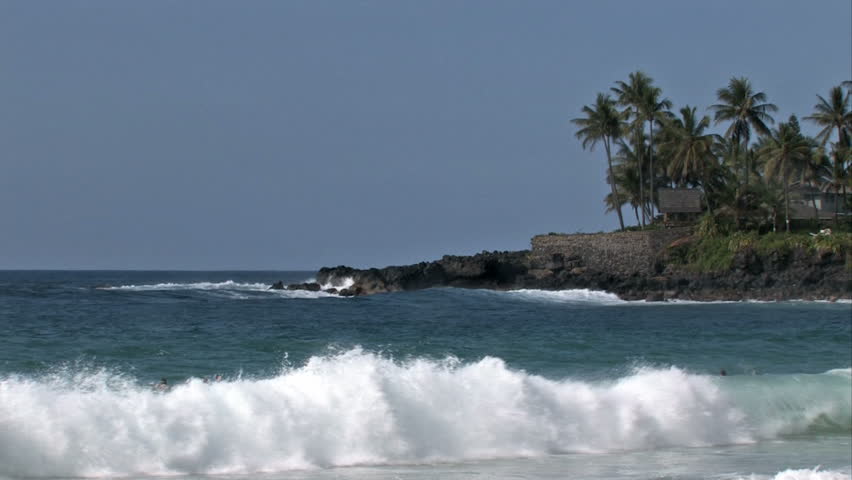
[290,135]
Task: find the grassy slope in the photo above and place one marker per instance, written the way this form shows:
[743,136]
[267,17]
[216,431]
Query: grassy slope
[715,253]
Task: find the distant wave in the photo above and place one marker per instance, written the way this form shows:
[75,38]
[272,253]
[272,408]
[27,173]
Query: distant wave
[601,297]
[357,408]
[802,474]
[226,285]
[570,296]
[229,287]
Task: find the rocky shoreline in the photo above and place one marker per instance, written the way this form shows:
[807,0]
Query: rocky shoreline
[800,274]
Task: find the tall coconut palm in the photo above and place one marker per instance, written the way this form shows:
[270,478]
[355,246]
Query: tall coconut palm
[785,150]
[746,109]
[630,95]
[633,154]
[838,178]
[689,149]
[831,114]
[627,168]
[602,123]
[728,153]
[654,110]
[633,95]
[816,172]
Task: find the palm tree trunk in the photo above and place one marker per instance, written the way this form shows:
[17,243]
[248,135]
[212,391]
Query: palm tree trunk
[651,167]
[738,189]
[706,189]
[613,186]
[639,149]
[841,144]
[746,168]
[636,212]
[774,219]
[816,211]
[836,192]
[786,205]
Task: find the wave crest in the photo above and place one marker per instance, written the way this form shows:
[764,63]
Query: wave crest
[803,474]
[228,288]
[361,408]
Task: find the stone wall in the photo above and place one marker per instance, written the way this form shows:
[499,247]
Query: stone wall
[619,253]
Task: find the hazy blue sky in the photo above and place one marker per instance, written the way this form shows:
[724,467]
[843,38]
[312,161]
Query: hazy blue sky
[297,134]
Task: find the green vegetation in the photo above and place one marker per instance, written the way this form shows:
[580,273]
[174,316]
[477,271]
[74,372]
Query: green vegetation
[709,250]
[745,174]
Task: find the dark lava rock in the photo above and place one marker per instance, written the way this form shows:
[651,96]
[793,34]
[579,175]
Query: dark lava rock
[762,276]
[350,292]
[279,285]
[311,287]
[655,297]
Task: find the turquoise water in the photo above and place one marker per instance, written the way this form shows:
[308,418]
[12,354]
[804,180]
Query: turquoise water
[441,383]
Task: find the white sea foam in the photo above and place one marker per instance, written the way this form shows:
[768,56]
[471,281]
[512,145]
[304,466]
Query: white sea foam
[601,297]
[803,474]
[226,285]
[359,408]
[306,294]
[228,288]
[570,296]
[338,283]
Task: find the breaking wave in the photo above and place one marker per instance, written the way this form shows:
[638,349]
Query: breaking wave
[229,288]
[359,408]
[570,296]
[583,295]
[226,285]
[803,474]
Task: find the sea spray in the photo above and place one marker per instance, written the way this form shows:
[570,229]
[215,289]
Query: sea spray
[166,286]
[225,289]
[339,283]
[361,408]
[581,295]
[802,474]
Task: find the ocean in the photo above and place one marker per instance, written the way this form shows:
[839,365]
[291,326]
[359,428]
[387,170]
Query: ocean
[433,384]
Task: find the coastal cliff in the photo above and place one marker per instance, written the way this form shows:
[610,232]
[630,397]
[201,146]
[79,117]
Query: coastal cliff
[651,265]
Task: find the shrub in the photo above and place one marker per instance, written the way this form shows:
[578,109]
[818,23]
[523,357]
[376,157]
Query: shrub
[835,243]
[715,253]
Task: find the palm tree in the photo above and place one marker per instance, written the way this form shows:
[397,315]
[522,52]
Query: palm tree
[815,172]
[784,151]
[632,95]
[626,170]
[745,109]
[831,114]
[602,123]
[837,178]
[653,110]
[728,153]
[689,149]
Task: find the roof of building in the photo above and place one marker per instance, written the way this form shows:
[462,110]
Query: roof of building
[679,200]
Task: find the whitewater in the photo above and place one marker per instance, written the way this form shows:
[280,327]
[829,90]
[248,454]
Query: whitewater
[441,383]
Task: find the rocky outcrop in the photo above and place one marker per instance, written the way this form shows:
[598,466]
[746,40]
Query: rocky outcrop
[497,270]
[311,287]
[633,265]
